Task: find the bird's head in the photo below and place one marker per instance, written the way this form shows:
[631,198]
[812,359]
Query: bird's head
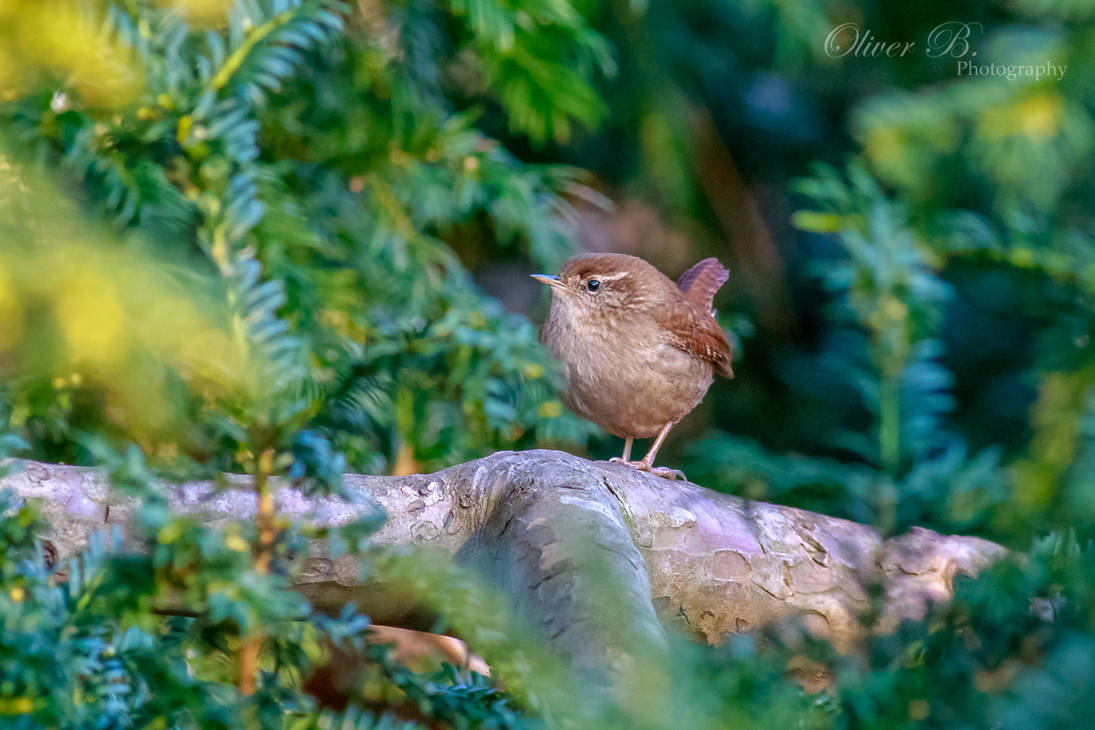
[605,282]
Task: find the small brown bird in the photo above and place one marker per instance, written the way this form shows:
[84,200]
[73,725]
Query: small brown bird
[639,352]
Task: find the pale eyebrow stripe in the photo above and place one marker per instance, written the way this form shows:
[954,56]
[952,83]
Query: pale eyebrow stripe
[611,277]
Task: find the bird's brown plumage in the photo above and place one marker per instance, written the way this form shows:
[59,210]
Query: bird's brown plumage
[616,343]
[638,351]
[700,283]
[694,327]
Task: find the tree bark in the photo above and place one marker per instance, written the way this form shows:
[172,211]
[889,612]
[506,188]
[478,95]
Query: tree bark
[560,536]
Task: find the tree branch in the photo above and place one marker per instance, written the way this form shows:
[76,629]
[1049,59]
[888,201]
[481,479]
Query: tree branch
[557,534]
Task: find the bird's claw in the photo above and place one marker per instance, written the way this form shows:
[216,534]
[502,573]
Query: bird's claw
[666,473]
[659,471]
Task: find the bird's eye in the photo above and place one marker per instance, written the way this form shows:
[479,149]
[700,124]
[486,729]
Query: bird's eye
[593,285]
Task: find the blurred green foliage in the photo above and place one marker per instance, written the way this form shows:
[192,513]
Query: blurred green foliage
[248,237]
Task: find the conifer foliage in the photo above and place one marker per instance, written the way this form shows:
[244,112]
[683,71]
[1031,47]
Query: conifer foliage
[241,237]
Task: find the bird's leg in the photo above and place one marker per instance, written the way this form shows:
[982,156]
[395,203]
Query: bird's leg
[626,458]
[647,464]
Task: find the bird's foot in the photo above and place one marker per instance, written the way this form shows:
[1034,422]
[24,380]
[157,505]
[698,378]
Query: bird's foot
[666,473]
[659,471]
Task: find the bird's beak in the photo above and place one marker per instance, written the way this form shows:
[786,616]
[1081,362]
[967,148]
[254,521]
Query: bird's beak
[547,279]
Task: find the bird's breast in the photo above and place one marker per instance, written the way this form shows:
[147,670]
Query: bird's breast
[621,378]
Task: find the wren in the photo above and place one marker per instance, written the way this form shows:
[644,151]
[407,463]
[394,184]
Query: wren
[638,351]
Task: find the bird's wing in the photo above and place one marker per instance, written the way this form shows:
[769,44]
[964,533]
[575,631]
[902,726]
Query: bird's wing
[696,332]
[700,283]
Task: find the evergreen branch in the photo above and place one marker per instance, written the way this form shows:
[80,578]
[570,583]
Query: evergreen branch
[236,59]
